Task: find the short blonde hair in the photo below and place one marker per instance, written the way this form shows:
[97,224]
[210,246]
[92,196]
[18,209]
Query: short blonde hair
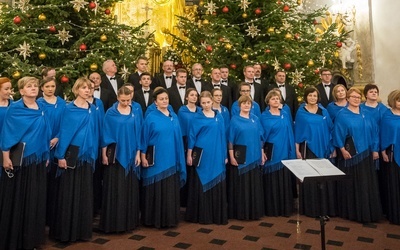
[25,80]
[336,90]
[245,98]
[79,83]
[271,94]
[354,90]
[393,97]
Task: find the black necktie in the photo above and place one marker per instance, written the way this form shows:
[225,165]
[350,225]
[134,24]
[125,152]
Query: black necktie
[198,80]
[168,77]
[217,85]
[98,89]
[257,79]
[182,87]
[113,78]
[224,80]
[327,85]
[146,91]
[281,86]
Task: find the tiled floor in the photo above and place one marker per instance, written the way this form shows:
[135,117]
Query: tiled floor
[295,232]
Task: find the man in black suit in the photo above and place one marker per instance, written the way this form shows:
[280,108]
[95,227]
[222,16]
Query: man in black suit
[288,92]
[226,90]
[110,80]
[165,79]
[258,78]
[196,80]
[325,88]
[229,81]
[99,92]
[141,66]
[177,92]
[256,91]
[144,95]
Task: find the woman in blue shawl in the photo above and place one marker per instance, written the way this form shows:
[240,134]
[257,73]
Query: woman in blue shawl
[339,93]
[207,202]
[358,198]
[53,108]
[23,188]
[244,181]
[5,93]
[161,182]
[390,138]
[120,203]
[186,114]
[217,98]
[244,89]
[313,130]
[278,131]
[79,127]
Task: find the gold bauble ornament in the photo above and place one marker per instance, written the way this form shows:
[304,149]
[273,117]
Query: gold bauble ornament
[228,46]
[300,99]
[42,17]
[103,38]
[336,54]
[201,3]
[93,67]
[271,30]
[310,63]
[330,62]
[299,2]
[42,56]
[16,75]
[244,15]
[205,22]
[245,56]
[194,48]
[288,36]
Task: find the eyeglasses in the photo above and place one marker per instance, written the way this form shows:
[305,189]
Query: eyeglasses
[326,74]
[355,97]
[245,91]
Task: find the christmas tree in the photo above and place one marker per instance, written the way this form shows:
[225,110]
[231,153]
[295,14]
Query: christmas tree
[75,37]
[279,35]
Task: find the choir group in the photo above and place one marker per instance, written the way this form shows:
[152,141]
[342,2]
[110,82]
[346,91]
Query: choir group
[149,147]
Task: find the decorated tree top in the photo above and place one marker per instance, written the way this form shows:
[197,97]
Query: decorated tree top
[279,35]
[75,37]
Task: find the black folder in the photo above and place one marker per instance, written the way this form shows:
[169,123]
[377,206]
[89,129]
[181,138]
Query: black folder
[349,146]
[150,155]
[303,149]
[389,152]
[239,152]
[197,153]
[71,156]
[16,154]
[111,153]
[268,150]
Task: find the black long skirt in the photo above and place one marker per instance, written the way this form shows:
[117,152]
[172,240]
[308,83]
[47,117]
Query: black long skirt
[208,207]
[52,189]
[278,195]
[74,206]
[318,198]
[23,207]
[160,203]
[245,194]
[120,207]
[393,192]
[358,198]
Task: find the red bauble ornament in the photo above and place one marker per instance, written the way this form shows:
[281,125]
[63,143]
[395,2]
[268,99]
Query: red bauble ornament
[17,20]
[267,51]
[315,22]
[316,71]
[296,36]
[209,48]
[225,9]
[257,11]
[82,47]
[287,66]
[64,79]
[92,5]
[107,11]
[339,44]
[286,8]
[52,29]
[233,66]
[301,85]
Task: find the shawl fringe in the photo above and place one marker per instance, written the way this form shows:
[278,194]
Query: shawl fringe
[272,168]
[248,168]
[156,178]
[356,159]
[219,178]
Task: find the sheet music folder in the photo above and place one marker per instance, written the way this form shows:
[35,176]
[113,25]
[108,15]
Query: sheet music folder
[321,169]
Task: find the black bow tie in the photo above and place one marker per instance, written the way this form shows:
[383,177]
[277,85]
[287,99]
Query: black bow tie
[197,80]
[257,79]
[113,78]
[146,91]
[224,80]
[98,89]
[182,87]
[327,85]
[281,86]
[168,77]
[217,85]
[251,83]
